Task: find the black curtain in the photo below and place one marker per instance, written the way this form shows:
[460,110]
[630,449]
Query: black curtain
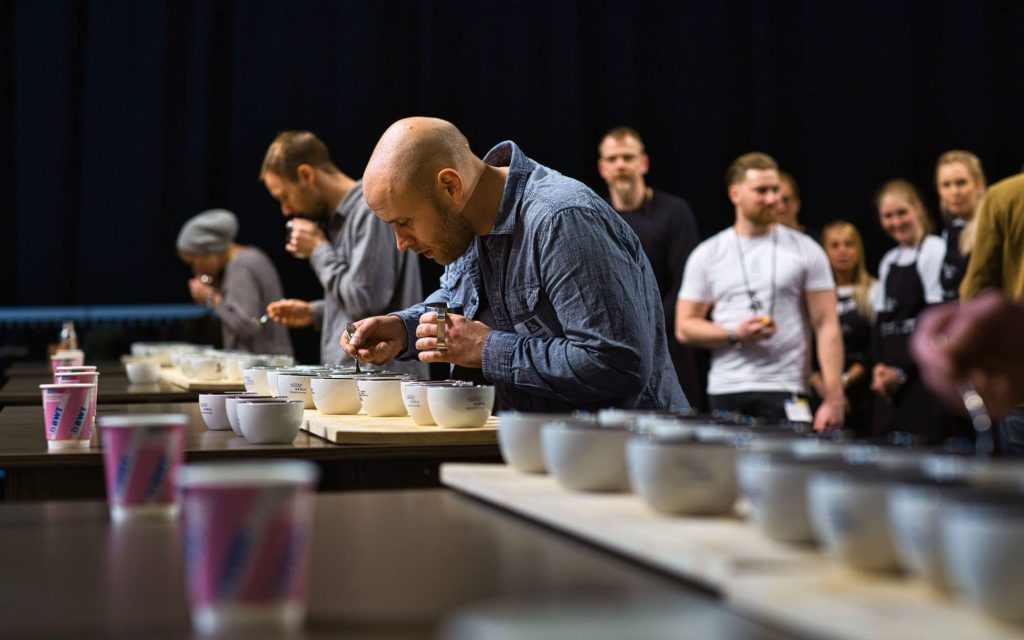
[122,118]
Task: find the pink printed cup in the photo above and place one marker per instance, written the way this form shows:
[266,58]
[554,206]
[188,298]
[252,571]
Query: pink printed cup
[82,377]
[67,358]
[141,458]
[66,414]
[73,369]
[247,530]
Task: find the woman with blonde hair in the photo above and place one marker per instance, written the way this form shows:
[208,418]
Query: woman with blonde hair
[960,181]
[909,282]
[855,290]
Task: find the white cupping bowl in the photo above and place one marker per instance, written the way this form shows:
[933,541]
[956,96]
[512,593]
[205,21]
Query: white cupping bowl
[519,438]
[382,397]
[296,386]
[850,515]
[981,542]
[585,457]
[462,406]
[213,409]
[414,395]
[142,372]
[231,408]
[270,422]
[683,475]
[336,396]
[255,380]
[914,509]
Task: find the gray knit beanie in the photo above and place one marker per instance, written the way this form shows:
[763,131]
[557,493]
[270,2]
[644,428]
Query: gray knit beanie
[209,232]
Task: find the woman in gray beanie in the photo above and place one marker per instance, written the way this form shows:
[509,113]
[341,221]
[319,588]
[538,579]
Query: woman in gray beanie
[239,282]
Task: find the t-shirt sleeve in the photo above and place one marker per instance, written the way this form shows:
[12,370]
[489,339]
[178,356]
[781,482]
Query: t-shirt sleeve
[929,267]
[696,285]
[819,271]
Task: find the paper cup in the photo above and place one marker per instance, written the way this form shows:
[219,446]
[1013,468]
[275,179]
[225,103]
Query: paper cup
[66,414]
[82,377]
[247,530]
[68,358]
[141,457]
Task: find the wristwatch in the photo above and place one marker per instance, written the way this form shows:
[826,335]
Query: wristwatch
[733,340]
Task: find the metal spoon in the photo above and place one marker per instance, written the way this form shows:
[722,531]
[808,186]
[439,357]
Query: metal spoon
[350,329]
[980,420]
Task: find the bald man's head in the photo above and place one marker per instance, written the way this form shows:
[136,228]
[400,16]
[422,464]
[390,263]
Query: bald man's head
[411,154]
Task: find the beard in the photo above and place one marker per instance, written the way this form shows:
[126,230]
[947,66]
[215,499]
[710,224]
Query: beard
[454,233]
[765,215]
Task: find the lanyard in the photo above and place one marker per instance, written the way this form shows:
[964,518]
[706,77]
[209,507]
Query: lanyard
[755,304]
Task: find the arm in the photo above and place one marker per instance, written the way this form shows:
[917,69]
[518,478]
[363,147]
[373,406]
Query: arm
[693,328]
[605,310]
[821,309]
[361,271]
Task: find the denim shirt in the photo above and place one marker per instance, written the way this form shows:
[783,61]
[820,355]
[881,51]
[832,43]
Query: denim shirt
[578,320]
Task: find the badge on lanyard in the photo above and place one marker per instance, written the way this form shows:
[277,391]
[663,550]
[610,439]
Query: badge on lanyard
[798,410]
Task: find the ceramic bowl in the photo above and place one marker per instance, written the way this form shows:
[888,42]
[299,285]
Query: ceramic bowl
[981,541]
[775,484]
[381,396]
[296,386]
[682,475]
[461,406]
[914,509]
[414,395]
[337,395]
[255,380]
[142,371]
[850,516]
[231,404]
[585,457]
[270,422]
[213,409]
[519,438]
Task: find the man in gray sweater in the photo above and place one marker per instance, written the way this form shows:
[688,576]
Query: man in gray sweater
[350,249]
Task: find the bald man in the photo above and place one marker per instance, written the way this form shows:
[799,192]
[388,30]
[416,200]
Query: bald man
[561,308]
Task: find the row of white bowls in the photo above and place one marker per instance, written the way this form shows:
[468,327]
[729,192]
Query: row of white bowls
[955,521]
[204,362]
[447,403]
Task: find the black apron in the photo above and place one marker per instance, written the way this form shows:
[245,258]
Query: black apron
[912,408]
[856,330]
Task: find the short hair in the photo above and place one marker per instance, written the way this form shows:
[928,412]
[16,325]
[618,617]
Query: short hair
[909,193]
[738,168]
[621,133]
[966,158]
[788,178]
[293,148]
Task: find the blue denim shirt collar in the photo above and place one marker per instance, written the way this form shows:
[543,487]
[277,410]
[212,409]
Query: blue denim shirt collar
[508,154]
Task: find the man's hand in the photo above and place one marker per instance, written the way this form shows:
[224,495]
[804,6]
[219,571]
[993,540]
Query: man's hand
[980,340]
[464,340]
[291,312]
[831,414]
[304,238]
[755,328]
[376,340]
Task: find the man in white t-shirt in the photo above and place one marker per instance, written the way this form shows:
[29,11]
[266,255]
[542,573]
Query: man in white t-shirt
[766,287]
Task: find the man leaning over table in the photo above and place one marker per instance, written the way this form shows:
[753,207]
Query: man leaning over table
[561,307]
[762,283]
[352,254]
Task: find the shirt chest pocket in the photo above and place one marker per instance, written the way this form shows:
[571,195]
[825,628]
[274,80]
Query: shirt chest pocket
[530,315]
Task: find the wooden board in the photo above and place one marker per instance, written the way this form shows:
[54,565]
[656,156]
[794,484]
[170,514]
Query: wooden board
[174,375]
[362,429]
[707,550]
[794,588]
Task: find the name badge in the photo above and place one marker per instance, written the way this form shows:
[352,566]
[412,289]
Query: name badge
[532,327]
[798,410]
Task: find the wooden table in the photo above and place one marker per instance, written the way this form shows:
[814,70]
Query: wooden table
[384,565]
[114,389]
[34,473]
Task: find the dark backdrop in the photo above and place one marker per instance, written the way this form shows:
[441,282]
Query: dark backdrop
[122,118]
